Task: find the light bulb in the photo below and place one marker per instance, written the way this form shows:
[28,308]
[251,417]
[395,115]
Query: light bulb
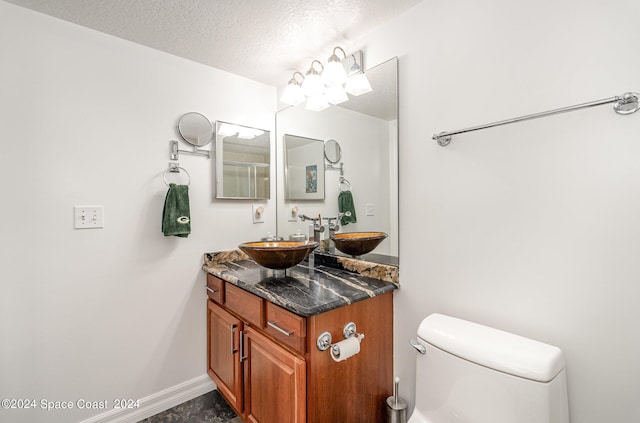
[334,73]
[312,84]
[292,93]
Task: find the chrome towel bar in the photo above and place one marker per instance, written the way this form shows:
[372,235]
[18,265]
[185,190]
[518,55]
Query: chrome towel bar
[624,104]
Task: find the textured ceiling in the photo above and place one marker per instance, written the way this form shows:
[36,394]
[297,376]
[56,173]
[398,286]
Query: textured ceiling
[263,40]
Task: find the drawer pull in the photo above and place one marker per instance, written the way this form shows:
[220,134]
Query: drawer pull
[213,291]
[279,329]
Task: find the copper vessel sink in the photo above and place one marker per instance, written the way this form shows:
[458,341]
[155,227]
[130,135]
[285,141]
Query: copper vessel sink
[278,255]
[358,243]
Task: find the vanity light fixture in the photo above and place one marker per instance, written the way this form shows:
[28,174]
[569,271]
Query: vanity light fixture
[328,84]
[247,133]
[244,132]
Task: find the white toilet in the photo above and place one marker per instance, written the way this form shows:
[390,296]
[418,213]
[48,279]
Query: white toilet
[469,373]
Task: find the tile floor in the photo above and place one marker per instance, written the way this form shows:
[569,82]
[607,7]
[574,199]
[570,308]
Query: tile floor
[209,408]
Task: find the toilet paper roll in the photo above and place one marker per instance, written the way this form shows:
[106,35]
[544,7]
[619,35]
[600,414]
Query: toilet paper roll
[345,349]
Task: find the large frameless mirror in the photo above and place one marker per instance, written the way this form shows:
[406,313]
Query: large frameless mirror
[366,128]
[243,162]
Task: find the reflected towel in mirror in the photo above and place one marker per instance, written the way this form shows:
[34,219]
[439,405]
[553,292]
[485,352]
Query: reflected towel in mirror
[345,204]
[176,219]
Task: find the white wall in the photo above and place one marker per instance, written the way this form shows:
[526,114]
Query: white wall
[534,227]
[363,140]
[86,119]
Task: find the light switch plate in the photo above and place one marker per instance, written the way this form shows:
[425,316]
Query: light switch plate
[88,217]
[369,209]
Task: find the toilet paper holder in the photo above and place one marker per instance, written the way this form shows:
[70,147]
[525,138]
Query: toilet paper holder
[349,331]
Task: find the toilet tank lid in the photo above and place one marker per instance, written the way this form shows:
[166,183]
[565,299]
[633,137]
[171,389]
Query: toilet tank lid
[493,348]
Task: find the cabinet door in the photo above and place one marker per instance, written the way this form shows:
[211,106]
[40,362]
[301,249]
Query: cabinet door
[223,358]
[275,382]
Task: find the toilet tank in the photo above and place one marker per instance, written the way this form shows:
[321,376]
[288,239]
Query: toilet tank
[476,374]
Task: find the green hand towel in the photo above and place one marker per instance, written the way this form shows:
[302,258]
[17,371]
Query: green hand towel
[345,204]
[176,220]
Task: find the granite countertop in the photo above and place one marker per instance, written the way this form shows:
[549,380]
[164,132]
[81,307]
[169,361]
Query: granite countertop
[303,290]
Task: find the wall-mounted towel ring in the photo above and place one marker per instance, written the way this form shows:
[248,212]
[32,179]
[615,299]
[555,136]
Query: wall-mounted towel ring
[344,184]
[175,168]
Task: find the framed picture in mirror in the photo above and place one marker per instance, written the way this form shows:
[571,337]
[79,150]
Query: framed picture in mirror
[304,168]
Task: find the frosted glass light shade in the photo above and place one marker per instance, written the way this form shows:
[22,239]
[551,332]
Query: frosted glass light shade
[316,103]
[227,129]
[292,94]
[312,85]
[334,74]
[336,94]
[358,85]
[249,133]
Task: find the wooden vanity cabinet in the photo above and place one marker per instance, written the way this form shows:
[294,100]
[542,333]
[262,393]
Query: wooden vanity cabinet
[265,361]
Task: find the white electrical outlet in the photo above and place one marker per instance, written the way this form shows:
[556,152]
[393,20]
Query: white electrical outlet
[88,217]
[293,214]
[258,214]
[369,209]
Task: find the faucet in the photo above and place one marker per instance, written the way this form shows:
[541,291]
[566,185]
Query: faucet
[316,228]
[332,224]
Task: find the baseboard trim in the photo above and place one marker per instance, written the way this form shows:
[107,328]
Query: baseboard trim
[158,402]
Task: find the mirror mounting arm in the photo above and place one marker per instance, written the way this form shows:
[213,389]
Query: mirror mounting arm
[331,166]
[174,153]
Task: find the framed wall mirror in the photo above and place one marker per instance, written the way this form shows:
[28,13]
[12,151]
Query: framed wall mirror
[303,168]
[366,128]
[243,162]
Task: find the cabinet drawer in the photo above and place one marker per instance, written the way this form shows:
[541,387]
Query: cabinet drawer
[247,306]
[286,327]
[215,288]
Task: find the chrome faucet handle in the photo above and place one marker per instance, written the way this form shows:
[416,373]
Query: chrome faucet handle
[318,226]
[304,217]
[333,226]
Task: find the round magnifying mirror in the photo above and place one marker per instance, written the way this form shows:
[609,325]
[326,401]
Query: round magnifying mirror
[332,151]
[195,129]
